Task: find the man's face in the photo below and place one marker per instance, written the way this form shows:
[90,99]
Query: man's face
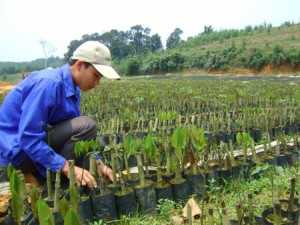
[88,77]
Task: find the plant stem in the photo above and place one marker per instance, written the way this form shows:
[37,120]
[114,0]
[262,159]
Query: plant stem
[101,184]
[158,172]
[57,191]
[178,176]
[141,170]
[210,217]
[113,165]
[92,169]
[245,154]
[250,207]
[239,211]
[168,157]
[277,213]
[118,170]
[49,184]
[72,174]
[125,158]
[127,167]
[225,217]
[292,195]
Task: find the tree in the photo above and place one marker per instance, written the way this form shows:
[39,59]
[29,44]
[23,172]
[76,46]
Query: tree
[117,41]
[71,48]
[174,38]
[138,36]
[47,49]
[208,29]
[153,43]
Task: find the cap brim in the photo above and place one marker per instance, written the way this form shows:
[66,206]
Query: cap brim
[107,71]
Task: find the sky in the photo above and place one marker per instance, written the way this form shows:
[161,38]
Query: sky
[25,23]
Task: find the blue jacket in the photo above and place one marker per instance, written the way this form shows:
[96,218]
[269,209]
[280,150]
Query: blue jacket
[45,97]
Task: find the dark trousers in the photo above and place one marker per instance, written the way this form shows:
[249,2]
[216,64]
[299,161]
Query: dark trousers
[62,138]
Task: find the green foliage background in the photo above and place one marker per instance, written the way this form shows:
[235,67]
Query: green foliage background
[136,52]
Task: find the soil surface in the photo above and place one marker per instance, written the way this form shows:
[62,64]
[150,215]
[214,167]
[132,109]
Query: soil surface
[4,202]
[4,87]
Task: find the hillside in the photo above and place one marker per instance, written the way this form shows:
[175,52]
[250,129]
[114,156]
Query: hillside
[256,50]
[261,49]
[286,37]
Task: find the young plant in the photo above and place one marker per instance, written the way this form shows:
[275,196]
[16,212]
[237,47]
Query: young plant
[198,141]
[132,145]
[129,150]
[245,141]
[17,203]
[88,149]
[82,148]
[231,152]
[265,141]
[150,150]
[179,142]
[140,169]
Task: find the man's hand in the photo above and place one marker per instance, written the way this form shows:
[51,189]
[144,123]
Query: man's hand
[83,177]
[105,170]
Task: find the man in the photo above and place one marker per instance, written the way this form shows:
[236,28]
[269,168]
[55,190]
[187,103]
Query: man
[40,119]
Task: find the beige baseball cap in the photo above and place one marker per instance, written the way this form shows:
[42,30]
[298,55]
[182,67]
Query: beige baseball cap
[99,56]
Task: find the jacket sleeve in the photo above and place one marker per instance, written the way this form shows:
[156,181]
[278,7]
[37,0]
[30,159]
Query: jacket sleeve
[38,99]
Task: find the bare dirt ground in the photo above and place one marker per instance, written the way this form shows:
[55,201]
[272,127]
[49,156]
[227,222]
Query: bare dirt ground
[4,87]
[4,203]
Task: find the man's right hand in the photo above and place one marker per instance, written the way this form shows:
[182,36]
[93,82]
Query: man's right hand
[83,177]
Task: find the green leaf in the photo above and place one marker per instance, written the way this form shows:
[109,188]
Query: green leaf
[178,142]
[279,169]
[129,146]
[63,207]
[193,132]
[171,115]
[78,147]
[74,198]
[9,169]
[94,144]
[177,138]
[150,147]
[17,206]
[14,182]
[34,198]
[200,139]
[44,213]
[71,217]
[239,138]
[172,163]
[256,170]
[162,116]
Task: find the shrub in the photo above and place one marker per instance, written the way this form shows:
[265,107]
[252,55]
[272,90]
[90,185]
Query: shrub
[278,56]
[130,66]
[294,57]
[256,59]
